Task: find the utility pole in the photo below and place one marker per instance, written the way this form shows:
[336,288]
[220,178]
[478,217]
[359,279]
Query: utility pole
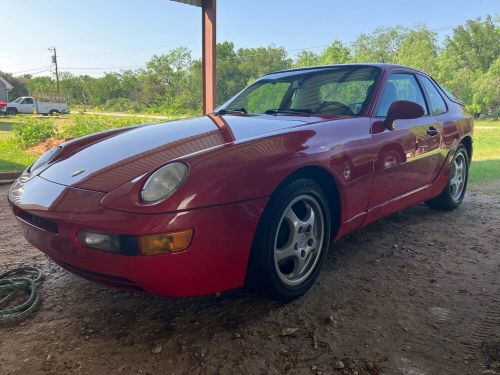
[54,61]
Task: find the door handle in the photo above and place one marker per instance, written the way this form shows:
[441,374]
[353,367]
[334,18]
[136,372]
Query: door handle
[432,131]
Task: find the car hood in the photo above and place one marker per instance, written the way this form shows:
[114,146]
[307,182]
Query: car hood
[110,162]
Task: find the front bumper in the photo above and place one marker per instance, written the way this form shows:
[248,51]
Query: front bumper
[50,216]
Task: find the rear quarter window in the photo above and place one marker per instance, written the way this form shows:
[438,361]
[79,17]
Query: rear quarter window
[437,103]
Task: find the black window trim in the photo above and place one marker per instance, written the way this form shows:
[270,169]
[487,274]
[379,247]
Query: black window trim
[402,71]
[433,83]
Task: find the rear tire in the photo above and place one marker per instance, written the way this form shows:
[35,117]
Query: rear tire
[54,112]
[11,112]
[291,241]
[453,194]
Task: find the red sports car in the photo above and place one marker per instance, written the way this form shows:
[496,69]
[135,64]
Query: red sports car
[254,193]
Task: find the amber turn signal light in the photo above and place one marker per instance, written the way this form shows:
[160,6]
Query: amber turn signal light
[164,243]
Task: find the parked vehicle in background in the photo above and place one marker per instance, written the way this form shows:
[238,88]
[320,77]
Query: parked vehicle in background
[3,108]
[29,105]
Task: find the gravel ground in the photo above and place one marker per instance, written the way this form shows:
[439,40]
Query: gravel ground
[416,293]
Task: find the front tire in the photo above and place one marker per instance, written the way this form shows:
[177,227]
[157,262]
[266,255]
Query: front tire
[453,194]
[291,242]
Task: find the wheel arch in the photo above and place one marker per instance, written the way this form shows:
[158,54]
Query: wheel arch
[327,182]
[467,142]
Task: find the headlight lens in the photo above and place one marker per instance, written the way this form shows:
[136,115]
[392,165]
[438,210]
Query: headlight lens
[45,158]
[164,182]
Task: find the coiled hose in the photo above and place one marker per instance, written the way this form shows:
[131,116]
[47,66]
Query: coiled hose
[15,283]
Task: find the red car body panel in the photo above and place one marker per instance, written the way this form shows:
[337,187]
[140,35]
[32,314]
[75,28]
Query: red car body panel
[236,163]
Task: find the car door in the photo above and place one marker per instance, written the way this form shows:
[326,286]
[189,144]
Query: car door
[27,106]
[407,157]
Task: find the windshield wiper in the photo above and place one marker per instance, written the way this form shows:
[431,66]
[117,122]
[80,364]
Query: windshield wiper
[225,111]
[288,110]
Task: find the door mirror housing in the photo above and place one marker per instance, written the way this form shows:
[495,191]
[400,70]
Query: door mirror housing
[402,110]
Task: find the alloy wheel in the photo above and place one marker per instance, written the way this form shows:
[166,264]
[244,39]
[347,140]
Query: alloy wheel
[458,177]
[299,240]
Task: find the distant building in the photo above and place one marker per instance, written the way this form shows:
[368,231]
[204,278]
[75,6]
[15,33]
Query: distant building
[5,87]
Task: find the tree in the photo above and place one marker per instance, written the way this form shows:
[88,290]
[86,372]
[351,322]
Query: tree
[255,62]
[380,46]
[474,46]
[306,58]
[335,53]
[486,97]
[19,85]
[419,50]
[230,80]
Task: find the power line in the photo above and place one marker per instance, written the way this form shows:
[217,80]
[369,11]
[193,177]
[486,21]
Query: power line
[104,68]
[48,67]
[247,56]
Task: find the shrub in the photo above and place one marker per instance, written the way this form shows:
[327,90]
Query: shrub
[123,105]
[89,124]
[33,131]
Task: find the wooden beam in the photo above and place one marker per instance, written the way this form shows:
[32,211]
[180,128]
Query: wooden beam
[208,55]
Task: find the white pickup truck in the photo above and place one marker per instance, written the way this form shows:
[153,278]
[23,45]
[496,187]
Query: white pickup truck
[28,104]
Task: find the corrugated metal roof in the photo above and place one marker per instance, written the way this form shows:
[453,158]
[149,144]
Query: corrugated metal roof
[191,2]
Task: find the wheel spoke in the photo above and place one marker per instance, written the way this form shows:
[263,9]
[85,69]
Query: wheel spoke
[310,218]
[292,218]
[298,266]
[286,252]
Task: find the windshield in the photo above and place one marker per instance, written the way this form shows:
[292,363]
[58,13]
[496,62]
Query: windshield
[18,100]
[329,91]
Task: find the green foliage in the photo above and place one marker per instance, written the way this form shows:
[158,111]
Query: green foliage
[12,156]
[33,131]
[335,53]
[380,46]
[88,124]
[306,59]
[419,50]
[486,96]
[171,83]
[254,62]
[19,84]
[474,46]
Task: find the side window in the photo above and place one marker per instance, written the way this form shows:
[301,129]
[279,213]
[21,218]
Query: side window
[438,106]
[28,101]
[400,86]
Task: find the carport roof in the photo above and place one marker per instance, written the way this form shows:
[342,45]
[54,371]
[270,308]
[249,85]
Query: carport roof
[197,3]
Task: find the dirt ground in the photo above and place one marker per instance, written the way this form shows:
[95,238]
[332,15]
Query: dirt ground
[416,293]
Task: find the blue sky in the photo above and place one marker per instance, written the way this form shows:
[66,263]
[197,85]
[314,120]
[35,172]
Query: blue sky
[126,33]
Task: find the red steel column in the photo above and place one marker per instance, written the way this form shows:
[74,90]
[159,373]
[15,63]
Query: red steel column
[208,55]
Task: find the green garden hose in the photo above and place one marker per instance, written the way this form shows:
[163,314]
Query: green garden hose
[15,283]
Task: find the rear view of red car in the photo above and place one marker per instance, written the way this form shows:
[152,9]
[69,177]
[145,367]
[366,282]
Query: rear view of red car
[3,108]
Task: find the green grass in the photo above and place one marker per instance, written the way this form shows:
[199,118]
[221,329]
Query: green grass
[12,156]
[485,166]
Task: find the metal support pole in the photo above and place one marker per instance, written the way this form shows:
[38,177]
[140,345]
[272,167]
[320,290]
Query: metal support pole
[209,55]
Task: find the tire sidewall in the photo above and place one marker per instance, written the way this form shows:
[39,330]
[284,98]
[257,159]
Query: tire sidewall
[263,249]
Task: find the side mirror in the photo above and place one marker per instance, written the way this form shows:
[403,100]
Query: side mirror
[402,110]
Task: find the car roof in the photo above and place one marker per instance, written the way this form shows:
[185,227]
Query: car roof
[382,66]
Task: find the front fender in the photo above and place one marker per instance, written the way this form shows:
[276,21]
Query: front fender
[232,173]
